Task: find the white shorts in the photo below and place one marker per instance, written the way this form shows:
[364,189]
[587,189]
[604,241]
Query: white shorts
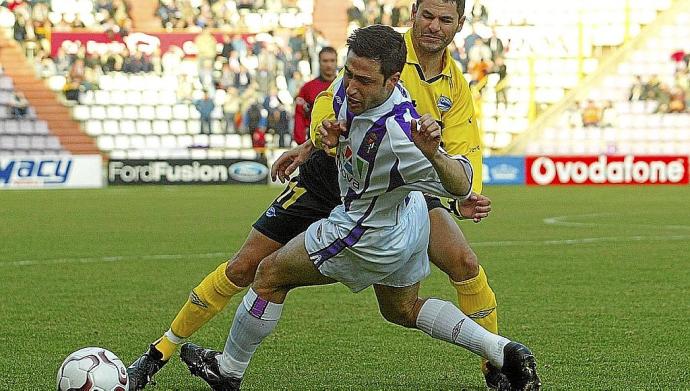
[360,256]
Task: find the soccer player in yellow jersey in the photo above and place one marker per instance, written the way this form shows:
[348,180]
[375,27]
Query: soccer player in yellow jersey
[438,88]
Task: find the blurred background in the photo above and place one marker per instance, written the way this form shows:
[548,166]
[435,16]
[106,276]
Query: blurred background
[141,79]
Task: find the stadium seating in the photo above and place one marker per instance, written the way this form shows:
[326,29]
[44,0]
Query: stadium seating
[138,116]
[543,59]
[25,135]
[638,128]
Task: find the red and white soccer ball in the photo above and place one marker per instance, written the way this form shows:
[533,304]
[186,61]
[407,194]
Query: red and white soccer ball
[92,369]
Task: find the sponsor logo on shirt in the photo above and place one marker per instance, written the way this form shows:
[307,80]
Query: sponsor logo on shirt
[345,157]
[444,103]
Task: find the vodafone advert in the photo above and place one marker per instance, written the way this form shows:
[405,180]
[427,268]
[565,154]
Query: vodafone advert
[607,170]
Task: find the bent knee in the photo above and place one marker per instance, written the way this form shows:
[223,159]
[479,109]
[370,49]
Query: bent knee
[267,275]
[463,265]
[402,316]
[241,270]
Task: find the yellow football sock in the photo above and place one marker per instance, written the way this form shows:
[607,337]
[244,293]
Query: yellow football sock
[478,301]
[204,302]
[166,346]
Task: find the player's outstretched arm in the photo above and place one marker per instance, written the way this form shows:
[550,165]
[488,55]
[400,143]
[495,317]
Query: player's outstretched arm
[288,162]
[427,137]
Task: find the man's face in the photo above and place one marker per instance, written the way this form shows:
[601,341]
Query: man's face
[435,23]
[364,83]
[327,65]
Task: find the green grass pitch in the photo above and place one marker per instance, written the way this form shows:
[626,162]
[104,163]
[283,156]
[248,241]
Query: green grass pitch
[596,280]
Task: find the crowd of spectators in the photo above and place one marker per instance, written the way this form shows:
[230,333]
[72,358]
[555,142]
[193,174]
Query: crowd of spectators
[198,14]
[668,97]
[591,114]
[258,74]
[661,98]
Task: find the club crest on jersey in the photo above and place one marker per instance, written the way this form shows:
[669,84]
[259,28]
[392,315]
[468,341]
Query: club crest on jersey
[444,103]
[371,144]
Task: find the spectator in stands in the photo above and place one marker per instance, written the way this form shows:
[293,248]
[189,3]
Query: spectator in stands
[242,79]
[227,47]
[479,13]
[71,90]
[495,44]
[272,100]
[19,105]
[501,87]
[591,114]
[239,45]
[677,102]
[609,117]
[637,91]
[652,88]
[295,83]
[45,66]
[472,38]
[77,23]
[138,63]
[355,14]
[205,108]
[225,78]
[480,52]
[166,11]
[255,118]
[111,61]
[231,107]
[279,125]
[76,71]
[460,55]
[19,29]
[259,141]
[206,47]
[663,98]
[328,68]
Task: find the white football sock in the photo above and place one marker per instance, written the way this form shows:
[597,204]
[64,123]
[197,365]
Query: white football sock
[442,320]
[254,320]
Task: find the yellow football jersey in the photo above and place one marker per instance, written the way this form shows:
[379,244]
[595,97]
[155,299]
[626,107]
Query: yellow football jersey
[446,97]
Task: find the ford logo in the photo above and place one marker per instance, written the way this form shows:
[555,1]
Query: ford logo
[248,171]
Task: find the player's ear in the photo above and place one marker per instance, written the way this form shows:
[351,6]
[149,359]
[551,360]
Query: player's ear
[461,22]
[393,80]
[414,9]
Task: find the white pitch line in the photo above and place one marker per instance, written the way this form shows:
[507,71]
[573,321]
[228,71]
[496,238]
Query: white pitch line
[115,258]
[562,221]
[225,255]
[560,242]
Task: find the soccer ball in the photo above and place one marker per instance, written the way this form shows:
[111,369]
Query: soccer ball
[92,369]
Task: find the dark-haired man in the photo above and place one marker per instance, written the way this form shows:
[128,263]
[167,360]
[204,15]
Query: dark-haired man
[328,63]
[437,87]
[379,234]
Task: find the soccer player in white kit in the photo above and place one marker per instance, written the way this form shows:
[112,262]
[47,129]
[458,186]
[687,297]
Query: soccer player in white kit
[379,234]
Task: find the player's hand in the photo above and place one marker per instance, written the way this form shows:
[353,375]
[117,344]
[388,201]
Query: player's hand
[476,207]
[288,162]
[330,131]
[426,135]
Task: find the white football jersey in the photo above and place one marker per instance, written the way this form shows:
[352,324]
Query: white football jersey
[378,164]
